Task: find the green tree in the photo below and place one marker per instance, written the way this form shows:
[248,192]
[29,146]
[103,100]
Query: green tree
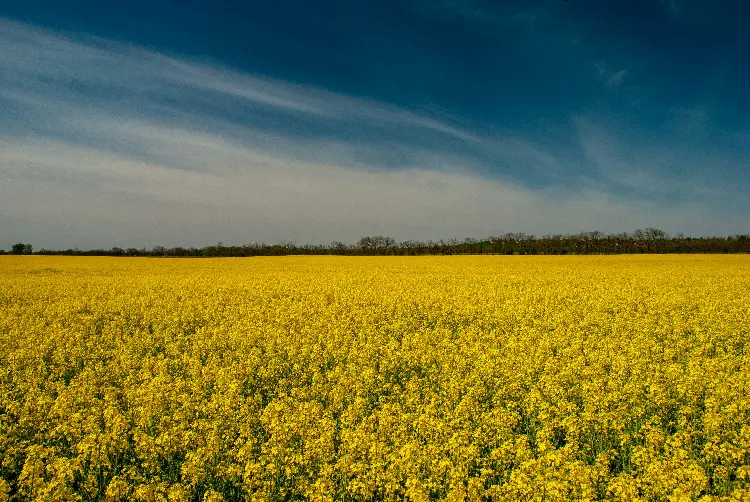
[21,248]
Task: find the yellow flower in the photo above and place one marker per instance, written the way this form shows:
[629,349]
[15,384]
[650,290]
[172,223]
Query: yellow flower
[328,378]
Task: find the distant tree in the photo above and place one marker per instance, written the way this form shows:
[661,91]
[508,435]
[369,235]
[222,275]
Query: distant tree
[412,247]
[288,247]
[654,238]
[177,251]
[21,248]
[366,245]
[470,245]
[338,247]
[376,245]
[648,240]
[654,234]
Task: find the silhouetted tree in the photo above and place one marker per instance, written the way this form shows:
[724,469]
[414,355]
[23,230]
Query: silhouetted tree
[376,245]
[338,248]
[649,240]
[21,248]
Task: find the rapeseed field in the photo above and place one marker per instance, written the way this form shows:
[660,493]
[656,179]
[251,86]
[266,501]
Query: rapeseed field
[419,378]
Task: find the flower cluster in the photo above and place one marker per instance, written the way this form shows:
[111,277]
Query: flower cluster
[363,378]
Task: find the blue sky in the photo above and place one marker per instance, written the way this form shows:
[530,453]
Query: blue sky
[186,123]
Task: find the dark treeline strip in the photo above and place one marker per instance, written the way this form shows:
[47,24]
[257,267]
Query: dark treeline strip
[650,240]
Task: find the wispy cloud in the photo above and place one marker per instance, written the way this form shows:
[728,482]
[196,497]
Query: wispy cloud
[617,77]
[695,114]
[611,77]
[109,73]
[96,197]
[656,171]
[106,144]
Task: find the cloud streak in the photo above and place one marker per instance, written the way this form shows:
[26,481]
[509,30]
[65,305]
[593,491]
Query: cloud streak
[96,195]
[107,73]
[107,144]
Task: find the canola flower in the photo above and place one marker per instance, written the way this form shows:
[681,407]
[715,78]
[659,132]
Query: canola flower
[419,378]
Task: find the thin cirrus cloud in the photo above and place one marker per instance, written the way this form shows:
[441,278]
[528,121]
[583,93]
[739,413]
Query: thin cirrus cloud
[609,76]
[105,144]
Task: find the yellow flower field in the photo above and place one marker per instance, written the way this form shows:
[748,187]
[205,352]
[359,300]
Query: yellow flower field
[329,378]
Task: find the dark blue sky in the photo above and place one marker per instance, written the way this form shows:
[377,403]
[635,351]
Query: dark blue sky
[639,107]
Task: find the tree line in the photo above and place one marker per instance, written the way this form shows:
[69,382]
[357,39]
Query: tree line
[642,241]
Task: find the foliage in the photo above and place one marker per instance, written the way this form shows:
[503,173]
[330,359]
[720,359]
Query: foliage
[327,378]
[21,248]
[641,241]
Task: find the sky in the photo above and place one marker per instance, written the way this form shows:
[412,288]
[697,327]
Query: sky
[145,123]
